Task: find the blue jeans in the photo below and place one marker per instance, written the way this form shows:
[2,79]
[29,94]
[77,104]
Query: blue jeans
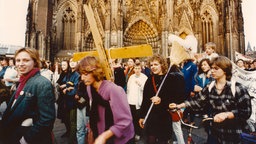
[178,132]
[82,122]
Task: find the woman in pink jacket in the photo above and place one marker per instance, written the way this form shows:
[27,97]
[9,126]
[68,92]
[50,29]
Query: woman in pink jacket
[110,116]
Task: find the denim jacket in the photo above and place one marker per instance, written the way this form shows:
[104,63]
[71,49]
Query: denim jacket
[36,102]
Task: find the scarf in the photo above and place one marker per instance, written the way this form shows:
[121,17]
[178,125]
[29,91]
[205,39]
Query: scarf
[24,79]
[94,115]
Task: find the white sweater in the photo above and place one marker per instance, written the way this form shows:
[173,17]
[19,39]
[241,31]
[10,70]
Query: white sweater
[135,86]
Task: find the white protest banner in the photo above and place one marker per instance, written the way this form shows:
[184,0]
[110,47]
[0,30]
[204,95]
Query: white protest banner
[247,78]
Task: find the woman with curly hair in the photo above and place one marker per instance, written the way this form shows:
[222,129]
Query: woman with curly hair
[158,125]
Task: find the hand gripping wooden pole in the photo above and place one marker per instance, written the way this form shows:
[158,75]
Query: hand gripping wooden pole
[152,104]
[177,55]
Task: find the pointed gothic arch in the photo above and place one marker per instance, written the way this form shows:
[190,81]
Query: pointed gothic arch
[185,25]
[141,32]
[137,23]
[66,25]
[89,42]
[209,23]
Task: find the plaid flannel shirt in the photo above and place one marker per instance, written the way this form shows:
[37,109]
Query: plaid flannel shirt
[240,105]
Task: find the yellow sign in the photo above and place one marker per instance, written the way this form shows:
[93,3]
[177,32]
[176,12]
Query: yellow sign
[115,53]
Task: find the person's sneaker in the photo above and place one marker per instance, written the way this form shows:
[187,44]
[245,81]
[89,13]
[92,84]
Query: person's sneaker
[174,142]
[137,137]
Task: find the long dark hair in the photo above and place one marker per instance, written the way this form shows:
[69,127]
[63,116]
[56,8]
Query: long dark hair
[200,65]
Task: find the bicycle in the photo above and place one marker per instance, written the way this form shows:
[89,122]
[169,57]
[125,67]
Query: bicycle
[191,126]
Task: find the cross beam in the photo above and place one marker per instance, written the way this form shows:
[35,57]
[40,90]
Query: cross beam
[105,55]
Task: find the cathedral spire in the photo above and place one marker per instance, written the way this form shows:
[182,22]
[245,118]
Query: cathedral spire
[249,49]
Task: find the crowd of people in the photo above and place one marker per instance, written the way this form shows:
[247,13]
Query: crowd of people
[135,105]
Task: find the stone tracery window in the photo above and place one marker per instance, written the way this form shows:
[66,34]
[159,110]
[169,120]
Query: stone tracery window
[68,29]
[207,27]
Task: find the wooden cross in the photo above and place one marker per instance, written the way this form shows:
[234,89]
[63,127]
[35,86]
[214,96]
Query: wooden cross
[105,55]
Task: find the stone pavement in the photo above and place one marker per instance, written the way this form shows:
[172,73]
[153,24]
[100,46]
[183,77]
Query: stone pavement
[198,135]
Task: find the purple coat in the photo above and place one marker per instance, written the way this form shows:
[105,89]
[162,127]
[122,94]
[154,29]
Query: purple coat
[123,127]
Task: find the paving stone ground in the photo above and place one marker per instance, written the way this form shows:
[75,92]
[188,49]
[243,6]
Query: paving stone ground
[198,135]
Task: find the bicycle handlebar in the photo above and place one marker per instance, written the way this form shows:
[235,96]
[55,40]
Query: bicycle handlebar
[190,125]
[207,119]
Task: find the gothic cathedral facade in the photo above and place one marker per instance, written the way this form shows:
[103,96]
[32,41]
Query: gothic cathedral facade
[58,28]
